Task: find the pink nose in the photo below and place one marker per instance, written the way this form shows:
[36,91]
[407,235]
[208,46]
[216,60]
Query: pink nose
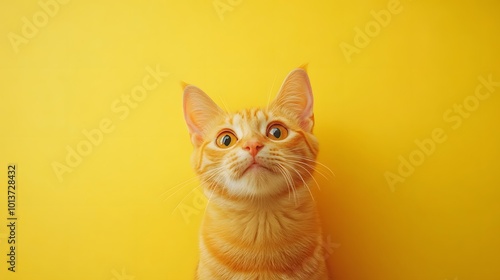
[253,147]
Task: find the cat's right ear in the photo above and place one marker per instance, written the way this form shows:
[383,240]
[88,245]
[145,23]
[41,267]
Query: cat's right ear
[199,112]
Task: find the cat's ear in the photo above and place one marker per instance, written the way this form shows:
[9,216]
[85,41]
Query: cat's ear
[199,112]
[295,99]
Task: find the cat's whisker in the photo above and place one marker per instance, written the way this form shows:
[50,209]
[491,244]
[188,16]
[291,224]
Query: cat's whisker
[175,192]
[187,195]
[224,103]
[270,91]
[315,161]
[209,198]
[302,178]
[314,170]
[181,185]
[313,167]
[184,198]
[301,165]
[326,167]
[205,181]
[180,188]
[288,180]
[294,189]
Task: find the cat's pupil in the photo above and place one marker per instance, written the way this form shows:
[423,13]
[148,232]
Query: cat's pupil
[226,140]
[276,132]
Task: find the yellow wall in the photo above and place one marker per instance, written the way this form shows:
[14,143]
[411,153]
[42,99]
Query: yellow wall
[119,211]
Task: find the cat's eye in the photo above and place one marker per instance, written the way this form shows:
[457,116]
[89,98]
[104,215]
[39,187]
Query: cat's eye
[277,132]
[226,139]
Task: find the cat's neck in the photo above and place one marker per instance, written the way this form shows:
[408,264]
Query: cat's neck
[288,199]
[263,221]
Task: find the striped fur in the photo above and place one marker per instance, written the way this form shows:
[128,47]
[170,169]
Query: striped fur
[261,221]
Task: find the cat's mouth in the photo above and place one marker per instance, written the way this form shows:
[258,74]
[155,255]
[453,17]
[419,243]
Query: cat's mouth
[255,167]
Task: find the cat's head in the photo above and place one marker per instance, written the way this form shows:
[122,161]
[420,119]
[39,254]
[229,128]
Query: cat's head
[254,152]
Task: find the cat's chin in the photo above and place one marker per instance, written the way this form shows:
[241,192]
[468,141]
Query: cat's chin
[257,181]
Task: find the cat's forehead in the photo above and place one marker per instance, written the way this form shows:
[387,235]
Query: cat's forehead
[255,119]
[248,116]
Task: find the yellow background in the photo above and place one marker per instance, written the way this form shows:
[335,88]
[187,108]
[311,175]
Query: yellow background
[119,213]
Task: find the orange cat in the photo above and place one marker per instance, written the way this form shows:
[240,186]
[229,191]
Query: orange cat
[255,165]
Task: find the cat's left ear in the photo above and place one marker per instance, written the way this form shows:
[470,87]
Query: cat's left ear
[295,99]
[199,112]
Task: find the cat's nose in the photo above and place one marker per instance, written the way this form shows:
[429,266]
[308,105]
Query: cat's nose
[253,147]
